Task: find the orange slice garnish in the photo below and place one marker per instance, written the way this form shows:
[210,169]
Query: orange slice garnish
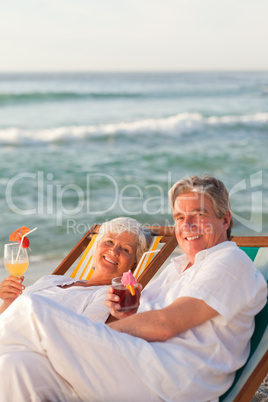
[131,289]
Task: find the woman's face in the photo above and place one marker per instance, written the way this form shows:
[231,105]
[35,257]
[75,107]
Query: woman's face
[115,254]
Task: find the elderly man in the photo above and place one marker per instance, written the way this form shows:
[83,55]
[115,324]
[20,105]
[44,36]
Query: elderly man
[190,334]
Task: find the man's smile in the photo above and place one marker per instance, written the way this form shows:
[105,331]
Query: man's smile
[190,238]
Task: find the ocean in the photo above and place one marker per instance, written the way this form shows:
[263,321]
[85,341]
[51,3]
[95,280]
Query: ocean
[82,148]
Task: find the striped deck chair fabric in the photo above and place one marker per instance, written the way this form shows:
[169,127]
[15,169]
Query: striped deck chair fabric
[147,256]
[84,268]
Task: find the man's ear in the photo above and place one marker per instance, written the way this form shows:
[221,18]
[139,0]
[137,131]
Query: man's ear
[227,219]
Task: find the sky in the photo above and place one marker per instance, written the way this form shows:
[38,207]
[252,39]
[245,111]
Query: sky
[133,35]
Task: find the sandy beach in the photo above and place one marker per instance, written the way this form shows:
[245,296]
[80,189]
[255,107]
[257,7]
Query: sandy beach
[262,394]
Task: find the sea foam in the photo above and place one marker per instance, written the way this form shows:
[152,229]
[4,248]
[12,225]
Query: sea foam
[180,124]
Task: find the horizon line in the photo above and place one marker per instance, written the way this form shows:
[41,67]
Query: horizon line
[134,71]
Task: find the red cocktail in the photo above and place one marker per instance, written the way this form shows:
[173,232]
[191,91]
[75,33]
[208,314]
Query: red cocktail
[128,302]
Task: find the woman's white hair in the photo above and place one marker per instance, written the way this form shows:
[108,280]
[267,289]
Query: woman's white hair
[122,224]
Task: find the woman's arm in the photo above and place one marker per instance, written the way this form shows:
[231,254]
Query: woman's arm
[10,289]
[163,324]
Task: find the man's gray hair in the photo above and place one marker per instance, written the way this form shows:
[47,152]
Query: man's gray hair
[130,225]
[208,185]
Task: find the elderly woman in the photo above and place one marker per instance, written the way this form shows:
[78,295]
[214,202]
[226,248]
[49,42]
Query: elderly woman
[120,245]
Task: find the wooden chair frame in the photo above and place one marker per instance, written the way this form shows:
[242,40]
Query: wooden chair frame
[250,241]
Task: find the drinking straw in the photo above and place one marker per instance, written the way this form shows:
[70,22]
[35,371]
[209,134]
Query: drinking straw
[142,259]
[22,242]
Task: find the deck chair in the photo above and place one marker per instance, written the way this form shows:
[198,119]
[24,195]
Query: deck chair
[162,244]
[249,377]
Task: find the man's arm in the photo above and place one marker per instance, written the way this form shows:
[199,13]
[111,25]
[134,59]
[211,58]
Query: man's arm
[160,325]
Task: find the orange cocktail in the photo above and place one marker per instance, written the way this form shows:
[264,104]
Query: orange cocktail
[15,259]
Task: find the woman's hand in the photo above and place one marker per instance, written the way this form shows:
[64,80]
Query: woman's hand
[11,288]
[113,303]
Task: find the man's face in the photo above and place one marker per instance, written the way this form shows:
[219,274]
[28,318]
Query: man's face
[196,224]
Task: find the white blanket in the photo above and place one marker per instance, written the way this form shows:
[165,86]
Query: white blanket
[59,344]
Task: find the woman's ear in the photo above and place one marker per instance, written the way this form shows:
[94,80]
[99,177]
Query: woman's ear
[134,265]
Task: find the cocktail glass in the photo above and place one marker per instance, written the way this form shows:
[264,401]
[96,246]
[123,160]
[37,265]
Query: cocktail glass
[128,302]
[15,259]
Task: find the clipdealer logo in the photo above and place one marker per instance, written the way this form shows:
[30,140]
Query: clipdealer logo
[54,199]
[253,187]
[130,200]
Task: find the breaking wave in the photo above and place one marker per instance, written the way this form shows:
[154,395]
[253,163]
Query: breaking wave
[177,125]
